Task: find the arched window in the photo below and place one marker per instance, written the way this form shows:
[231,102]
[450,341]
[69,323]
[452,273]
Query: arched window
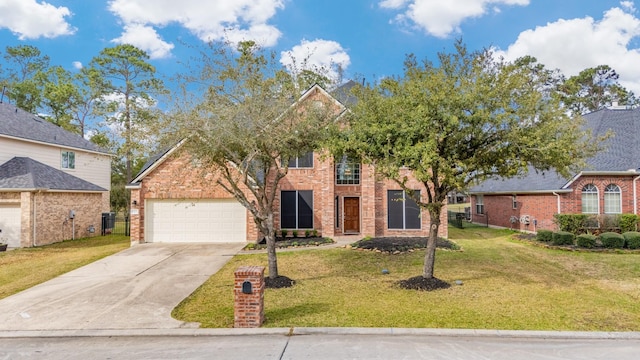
[590,199]
[612,199]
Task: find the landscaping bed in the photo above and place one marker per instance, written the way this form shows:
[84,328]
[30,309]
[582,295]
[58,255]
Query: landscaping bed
[290,242]
[398,245]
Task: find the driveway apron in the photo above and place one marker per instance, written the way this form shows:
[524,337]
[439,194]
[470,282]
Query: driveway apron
[134,289]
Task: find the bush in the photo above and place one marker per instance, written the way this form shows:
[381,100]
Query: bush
[609,222]
[294,233]
[612,240]
[573,223]
[284,233]
[628,222]
[632,239]
[544,235]
[563,238]
[586,241]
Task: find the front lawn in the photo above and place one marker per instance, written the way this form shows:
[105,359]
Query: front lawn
[23,268]
[506,284]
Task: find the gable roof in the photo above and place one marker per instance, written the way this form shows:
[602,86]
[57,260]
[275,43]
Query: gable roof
[157,159]
[22,173]
[19,124]
[621,155]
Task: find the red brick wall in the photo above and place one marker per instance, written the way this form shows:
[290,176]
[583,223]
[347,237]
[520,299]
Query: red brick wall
[498,208]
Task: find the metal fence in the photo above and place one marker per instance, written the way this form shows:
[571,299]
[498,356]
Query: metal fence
[456,218]
[115,224]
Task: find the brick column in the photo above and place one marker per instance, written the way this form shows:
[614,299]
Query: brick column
[249,308]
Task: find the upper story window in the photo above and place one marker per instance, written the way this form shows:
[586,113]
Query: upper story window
[590,199]
[68,160]
[303,161]
[612,199]
[347,172]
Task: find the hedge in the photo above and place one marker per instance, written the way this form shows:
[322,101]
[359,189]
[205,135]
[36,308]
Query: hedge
[586,241]
[544,235]
[612,240]
[632,239]
[563,238]
[573,223]
[628,222]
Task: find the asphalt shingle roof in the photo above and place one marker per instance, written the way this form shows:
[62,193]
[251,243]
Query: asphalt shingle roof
[18,123]
[26,173]
[621,153]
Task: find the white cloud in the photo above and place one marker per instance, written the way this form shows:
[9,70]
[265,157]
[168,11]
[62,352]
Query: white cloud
[77,65]
[208,20]
[442,18]
[324,55]
[145,38]
[31,20]
[628,5]
[576,44]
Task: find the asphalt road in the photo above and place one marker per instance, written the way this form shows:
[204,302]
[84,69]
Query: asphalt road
[317,346]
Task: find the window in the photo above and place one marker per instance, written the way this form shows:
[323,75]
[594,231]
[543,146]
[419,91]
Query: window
[304,161]
[480,204]
[402,212]
[296,209]
[590,199]
[514,203]
[68,160]
[347,172]
[612,199]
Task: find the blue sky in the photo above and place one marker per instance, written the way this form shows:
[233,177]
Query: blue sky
[367,38]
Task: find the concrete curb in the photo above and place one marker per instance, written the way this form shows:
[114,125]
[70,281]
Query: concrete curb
[516,334]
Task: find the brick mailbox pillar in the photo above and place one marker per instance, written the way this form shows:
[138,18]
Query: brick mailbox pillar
[249,297]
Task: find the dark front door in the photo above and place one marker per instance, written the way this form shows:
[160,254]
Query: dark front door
[351,215]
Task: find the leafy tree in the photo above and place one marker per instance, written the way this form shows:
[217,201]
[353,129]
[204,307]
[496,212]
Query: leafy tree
[127,88]
[593,89]
[26,66]
[468,118]
[246,124]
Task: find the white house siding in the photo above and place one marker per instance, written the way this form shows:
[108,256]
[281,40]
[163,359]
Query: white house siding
[92,167]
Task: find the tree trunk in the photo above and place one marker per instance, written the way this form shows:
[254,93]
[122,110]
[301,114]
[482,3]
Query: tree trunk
[430,256]
[270,237]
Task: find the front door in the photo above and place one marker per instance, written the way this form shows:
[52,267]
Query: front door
[351,215]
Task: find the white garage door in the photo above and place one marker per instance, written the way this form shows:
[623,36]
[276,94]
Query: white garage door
[10,224]
[221,220]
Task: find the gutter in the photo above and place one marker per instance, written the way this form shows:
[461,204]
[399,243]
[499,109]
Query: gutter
[595,173]
[512,192]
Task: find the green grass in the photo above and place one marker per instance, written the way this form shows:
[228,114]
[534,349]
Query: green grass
[507,285]
[457,207]
[23,268]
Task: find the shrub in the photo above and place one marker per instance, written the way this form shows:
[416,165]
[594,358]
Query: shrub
[632,239]
[294,233]
[609,222]
[315,233]
[586,241]
[544,235]
[284,233]
[628,222]
[612,240]
[563,238]
[307,233]
[573,223]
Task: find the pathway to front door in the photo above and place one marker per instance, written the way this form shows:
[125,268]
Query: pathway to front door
[351,215]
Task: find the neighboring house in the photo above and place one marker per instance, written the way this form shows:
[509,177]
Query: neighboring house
[174,200]
[54,185]
[609,185]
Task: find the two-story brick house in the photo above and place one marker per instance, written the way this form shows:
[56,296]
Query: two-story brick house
[54,185]
[608,186]
[173,200]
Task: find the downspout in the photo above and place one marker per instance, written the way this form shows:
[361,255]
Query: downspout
[558,196]
[35,219]
[635,196]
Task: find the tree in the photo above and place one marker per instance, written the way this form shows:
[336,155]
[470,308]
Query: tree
[246,123]
[126,87]
[464,120]
[593,89]
[25,71]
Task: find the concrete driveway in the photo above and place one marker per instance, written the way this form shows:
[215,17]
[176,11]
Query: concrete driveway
[134,289]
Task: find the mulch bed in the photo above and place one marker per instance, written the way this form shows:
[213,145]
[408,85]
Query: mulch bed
[282,243]
[423,284]
[279,282]
[396,245]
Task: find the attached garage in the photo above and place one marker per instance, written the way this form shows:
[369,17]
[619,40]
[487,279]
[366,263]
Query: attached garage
[10,224]
[195,220]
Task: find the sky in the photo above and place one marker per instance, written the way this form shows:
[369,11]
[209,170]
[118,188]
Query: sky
[365,38]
